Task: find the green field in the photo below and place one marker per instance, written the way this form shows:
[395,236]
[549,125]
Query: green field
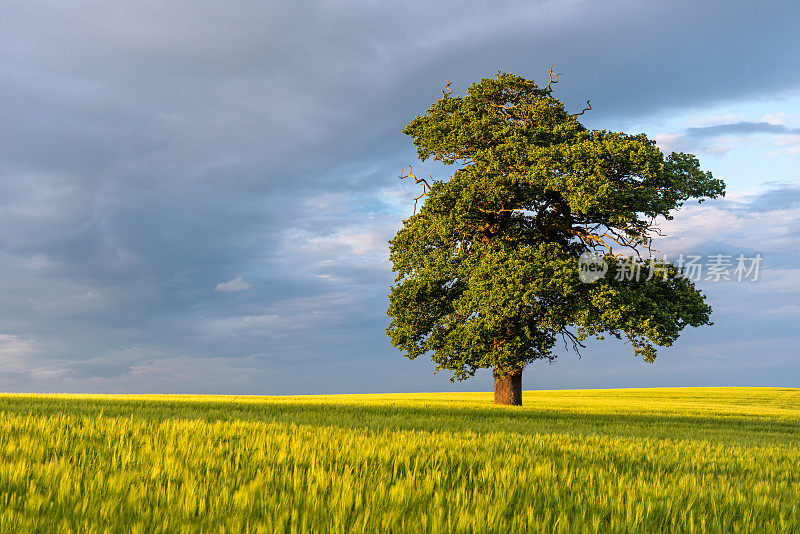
[643,460]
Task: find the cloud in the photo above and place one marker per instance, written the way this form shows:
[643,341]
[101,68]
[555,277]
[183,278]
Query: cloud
[13,347]
[778,196]
[741,127]
[784,310]
[150,151]
[787,146]
[765,222]
[237,284]
[721,138]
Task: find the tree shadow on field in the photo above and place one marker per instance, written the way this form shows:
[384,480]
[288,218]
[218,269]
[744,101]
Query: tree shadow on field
[433,417]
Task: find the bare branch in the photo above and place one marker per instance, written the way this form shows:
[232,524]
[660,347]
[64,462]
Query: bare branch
[447,91]
[426,187]
[553,78]
[584,110]
[498,212]
[575,341]
[504,109]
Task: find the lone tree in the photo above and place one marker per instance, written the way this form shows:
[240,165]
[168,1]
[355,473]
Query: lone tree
[487,268]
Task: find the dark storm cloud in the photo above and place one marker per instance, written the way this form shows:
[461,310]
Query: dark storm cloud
[150,151]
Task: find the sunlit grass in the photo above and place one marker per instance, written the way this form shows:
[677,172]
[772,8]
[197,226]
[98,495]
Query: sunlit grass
[693,459]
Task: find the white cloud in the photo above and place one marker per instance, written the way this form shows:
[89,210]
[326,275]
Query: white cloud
[668,142]
[353,246]
[788,146]
[775,118]
[307,314]
[237,284]
[730,222]
[13,346]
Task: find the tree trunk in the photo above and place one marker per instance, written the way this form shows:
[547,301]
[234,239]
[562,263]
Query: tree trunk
[508,390]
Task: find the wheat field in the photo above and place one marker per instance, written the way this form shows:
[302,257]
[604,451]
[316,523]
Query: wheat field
[636,460]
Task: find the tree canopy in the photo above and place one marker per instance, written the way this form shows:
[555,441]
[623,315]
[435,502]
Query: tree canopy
[487,268]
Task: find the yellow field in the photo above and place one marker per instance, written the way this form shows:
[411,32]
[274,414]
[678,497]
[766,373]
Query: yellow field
[687,459]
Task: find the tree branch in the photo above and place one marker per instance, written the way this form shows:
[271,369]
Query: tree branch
[584,110]
[426,187]
[575,341]
[449,91]
[553,78]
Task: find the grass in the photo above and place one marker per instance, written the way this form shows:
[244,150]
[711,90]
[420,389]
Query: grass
[646,460]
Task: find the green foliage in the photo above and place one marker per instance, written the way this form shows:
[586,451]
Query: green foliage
[487,269]
[661,460]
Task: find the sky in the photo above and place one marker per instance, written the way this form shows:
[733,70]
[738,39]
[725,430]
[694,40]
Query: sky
[196,197]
